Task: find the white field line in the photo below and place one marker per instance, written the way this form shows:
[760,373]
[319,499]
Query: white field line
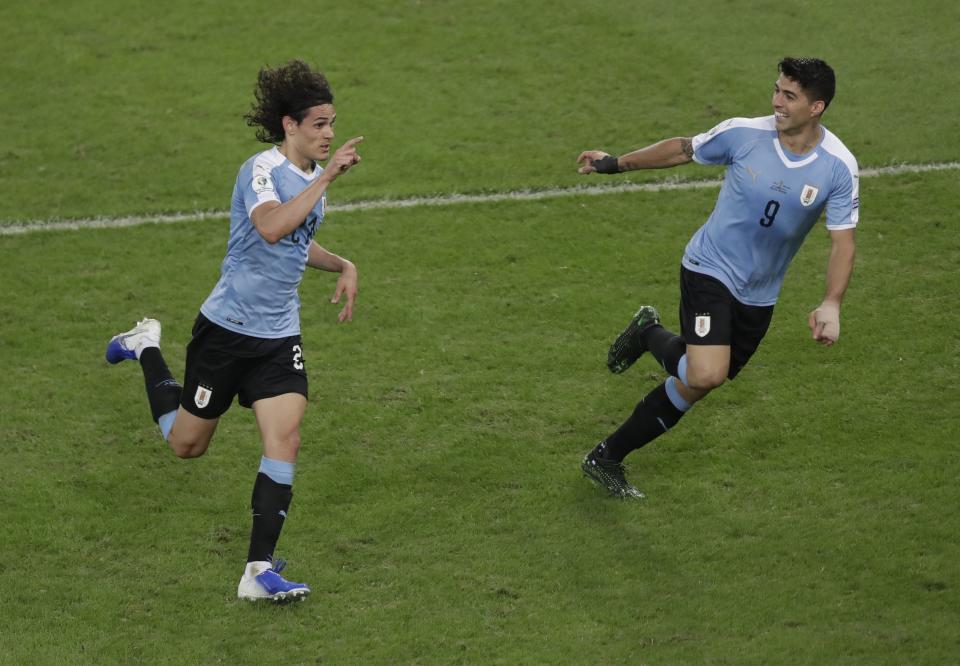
[17,228]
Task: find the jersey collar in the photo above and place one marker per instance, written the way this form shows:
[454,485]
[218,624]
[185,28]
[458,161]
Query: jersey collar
[317,169]
[796,164]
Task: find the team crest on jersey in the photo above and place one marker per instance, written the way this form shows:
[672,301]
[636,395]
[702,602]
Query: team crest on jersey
[701,325]
[202,397]
[808,194]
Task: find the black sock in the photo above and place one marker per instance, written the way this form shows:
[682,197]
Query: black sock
[163,391]
[652,417]
[270,503]
[667,347]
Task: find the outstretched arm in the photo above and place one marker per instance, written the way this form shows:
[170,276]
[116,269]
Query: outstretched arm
[824,322]
[661,155]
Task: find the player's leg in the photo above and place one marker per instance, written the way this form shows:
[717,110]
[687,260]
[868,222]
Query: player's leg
[190,435]
[631,343]
[278,419]
[142,343]
[212,378]
[278,394]
[750,325]
[737,327]
[656,413]
[646,333]
[706,322]
[702,300]
[703,368]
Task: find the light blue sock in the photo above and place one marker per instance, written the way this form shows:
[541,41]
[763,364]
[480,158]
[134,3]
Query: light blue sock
[674,395]
[278,470]
[166,423]
[682,371]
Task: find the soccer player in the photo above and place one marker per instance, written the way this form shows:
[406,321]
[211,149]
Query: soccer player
[782,172]
[246,339]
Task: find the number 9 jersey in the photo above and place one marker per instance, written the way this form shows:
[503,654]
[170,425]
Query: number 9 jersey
[769,201]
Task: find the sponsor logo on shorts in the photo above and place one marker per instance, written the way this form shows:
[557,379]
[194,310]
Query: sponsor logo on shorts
[701,325]
[202,397]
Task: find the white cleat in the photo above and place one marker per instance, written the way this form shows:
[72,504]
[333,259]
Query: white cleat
[262,580]
[127,346]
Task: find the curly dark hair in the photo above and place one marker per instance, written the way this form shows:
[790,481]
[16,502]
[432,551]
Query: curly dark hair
[814,76]
[289,90]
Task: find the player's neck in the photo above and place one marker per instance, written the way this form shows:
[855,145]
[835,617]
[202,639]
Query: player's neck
[801,140]
[296,159]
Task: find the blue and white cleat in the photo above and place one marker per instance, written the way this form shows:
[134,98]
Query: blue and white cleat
[124,346]
[262,580]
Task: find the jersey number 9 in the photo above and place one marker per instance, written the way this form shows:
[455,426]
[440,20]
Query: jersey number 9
[770,213]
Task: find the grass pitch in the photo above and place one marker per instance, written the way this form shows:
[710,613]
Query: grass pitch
[125,108]
[439,513]
[802,514]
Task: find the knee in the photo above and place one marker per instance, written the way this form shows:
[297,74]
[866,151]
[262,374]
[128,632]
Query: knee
[187,451]
[706,380]
[283,447]
[291,444]
[188,448]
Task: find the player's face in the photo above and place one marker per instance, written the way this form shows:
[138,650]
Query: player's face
[313,134]
[792,109]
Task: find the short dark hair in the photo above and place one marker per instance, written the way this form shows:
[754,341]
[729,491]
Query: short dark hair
[289,90]
[814,76]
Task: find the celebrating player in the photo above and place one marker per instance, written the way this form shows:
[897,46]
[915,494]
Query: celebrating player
[246,339]
[782,172]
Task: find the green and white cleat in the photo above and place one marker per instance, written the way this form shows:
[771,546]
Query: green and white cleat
[629,346]
[611,475]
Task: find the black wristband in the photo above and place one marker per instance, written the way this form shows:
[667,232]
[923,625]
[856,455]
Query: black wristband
[607,164]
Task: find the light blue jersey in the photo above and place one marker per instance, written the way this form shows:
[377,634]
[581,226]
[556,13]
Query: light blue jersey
[769,201]
[257,291]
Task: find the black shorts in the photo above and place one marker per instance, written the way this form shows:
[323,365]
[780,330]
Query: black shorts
[222,364]
[710,315]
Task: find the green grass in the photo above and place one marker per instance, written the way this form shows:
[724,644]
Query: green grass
[802,514]
[137,107]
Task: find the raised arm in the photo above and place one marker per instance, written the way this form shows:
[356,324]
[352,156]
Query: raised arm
[275,220]
[661,155]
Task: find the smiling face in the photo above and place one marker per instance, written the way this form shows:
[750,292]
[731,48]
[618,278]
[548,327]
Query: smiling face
[309,140]
[793,110]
